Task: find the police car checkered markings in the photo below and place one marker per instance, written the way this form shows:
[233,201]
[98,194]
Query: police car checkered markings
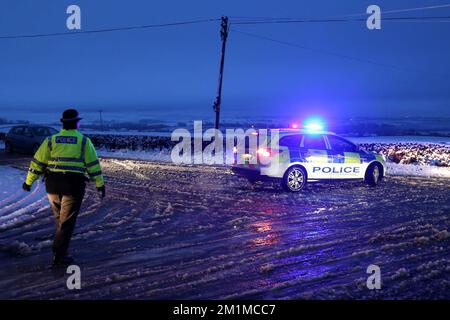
[352,157]
[322,155]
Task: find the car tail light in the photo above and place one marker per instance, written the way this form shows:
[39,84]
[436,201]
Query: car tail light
[264,152]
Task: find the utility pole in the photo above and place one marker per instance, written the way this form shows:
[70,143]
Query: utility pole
[218,101]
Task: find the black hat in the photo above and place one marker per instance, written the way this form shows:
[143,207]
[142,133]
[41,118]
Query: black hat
[70,115]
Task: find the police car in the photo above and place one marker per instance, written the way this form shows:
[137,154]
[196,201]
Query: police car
[301,156]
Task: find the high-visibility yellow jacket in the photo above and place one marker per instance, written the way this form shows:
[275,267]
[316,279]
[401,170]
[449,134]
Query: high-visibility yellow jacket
[66,151]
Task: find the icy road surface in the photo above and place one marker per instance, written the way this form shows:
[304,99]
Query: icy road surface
[170,232]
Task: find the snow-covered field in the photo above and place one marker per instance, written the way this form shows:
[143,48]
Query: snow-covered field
[199,232]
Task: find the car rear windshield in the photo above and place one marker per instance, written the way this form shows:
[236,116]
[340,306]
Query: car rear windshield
[43,131]
[291,141]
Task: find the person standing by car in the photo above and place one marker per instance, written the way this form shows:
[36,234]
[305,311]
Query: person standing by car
[64,158]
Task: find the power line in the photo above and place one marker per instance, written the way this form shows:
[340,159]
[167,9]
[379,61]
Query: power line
[417,9]
[339,55]
[162,25]
[253,20]
[249,20]
[424,21]
[348,15]
[282,21]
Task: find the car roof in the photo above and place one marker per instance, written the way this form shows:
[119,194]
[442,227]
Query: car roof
[31,126]
[288,131]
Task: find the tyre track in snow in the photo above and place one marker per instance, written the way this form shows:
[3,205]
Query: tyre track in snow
[167,231]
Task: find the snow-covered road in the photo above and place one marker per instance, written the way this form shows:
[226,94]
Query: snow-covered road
[176,232]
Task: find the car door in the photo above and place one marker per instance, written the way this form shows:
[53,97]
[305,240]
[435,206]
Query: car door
[289,147]
[16,138]
[315,156]
[28,141]
[288,152]
[346,158]
[40,133]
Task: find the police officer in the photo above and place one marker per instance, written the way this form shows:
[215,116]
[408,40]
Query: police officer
[64,159]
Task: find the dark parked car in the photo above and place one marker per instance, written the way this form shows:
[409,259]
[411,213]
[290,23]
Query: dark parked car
[26,138]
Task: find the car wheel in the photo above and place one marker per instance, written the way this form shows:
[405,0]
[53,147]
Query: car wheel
[373,174]
[294,179]
[8,147]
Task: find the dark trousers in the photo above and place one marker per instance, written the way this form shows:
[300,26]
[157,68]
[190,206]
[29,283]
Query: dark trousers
[65,193]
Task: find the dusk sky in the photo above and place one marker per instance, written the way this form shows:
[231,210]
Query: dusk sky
[176,68]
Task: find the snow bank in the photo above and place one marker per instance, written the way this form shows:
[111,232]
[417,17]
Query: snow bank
[125,132]
[401,139]
[8,183]
[163,155]
[16,204]
[412,153]
[395,169]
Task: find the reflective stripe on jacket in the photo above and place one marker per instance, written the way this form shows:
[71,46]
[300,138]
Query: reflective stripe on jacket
[66,151]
